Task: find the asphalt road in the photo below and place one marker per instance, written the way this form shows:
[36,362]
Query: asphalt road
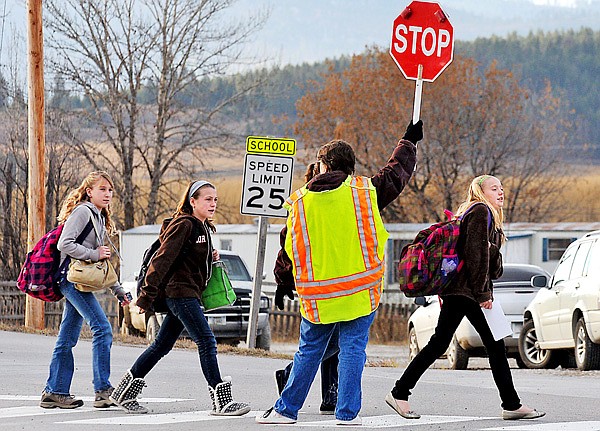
[178,399]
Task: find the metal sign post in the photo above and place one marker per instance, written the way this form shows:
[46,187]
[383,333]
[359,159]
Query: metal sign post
[267,183]
[263,224]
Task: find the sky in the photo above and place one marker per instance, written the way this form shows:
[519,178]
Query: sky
[313,30]
[321,29]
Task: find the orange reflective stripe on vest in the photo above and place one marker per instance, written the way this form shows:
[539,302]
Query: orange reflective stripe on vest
[364,214]
[351,285]
[299,234]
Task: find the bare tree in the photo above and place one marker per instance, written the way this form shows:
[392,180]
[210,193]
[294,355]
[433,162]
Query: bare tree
[13,190]
[111,50]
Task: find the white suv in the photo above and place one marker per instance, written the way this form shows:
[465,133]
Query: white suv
[562,323]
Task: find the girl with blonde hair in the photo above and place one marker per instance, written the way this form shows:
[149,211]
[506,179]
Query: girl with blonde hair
[79,240]
[480,239]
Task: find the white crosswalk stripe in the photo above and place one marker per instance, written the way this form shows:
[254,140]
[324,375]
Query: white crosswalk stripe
[16,412]
[556,426]
[156,419]
[396,421]
[114,416]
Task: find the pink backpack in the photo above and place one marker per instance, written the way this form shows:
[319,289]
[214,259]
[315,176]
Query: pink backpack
[40,273]
[430,262]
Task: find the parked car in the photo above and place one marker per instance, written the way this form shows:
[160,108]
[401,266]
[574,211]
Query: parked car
[562,323]
[514,290]
[229,324]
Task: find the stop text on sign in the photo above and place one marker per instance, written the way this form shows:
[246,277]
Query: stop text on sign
[264,145]
[429,40]
[422,42]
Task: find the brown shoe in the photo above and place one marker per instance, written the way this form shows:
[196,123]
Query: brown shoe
[101,401]
[50,401]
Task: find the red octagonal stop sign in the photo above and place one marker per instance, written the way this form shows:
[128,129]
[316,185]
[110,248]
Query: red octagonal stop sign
[422,34]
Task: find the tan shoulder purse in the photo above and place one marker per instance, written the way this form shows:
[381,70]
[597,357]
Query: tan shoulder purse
[91,276]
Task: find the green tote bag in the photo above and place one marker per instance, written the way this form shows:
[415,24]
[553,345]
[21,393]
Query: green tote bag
[218,292]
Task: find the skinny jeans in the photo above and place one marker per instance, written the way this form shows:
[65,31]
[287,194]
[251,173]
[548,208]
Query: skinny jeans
[183,313]
[454,308]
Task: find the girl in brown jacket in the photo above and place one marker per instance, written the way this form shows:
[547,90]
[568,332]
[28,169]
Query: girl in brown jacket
[181,268]
[481,237]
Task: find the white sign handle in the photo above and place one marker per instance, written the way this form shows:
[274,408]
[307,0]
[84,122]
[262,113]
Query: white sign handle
[418,92]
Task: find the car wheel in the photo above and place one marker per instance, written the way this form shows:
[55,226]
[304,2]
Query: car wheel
[263,341]
[529,349]
[566,358]
[520,362]
[458,358]
[152,327]
[587,353]
[413,346]
[125,320]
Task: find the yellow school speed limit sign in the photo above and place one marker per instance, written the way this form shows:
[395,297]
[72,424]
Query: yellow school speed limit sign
[267,176]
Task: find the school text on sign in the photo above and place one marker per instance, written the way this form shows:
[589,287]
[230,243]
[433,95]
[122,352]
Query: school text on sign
[264,145]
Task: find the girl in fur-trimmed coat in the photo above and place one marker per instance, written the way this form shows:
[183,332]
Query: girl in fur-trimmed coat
[479,243]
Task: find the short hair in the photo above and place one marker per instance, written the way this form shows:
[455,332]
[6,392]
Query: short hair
[337,155]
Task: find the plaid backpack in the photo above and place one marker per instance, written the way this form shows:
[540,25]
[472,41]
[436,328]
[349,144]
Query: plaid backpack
[430,262]
[40,273]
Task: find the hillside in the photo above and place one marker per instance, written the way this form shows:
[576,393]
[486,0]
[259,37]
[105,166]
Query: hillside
[568,60]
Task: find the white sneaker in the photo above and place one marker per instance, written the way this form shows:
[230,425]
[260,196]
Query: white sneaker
[356,421]
[272,417]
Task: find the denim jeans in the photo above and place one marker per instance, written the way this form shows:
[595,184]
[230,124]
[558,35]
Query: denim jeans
[329,371]
[80,306]
[454,308]
[183,313]
[314,339]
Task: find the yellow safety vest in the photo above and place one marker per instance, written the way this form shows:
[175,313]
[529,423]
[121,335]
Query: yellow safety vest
[336,241]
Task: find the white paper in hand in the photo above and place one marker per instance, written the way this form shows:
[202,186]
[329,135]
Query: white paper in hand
[497,321]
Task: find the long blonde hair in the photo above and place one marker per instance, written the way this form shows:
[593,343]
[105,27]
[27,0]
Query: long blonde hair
[79,195]
[475,194]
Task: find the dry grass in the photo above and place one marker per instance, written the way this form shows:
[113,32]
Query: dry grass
[584,183]
[383,363]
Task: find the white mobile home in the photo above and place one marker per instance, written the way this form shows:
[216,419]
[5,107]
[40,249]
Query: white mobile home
[540,244]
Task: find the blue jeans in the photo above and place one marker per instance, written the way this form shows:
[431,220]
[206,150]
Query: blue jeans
[314,339]
[329,371]
[80,306]
[183,313]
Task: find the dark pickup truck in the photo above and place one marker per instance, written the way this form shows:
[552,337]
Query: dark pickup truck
[229,324]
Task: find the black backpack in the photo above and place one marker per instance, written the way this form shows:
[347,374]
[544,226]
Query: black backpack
[148,255]
[159,302]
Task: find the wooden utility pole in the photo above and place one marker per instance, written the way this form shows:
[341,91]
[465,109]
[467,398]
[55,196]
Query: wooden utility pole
[36,221]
